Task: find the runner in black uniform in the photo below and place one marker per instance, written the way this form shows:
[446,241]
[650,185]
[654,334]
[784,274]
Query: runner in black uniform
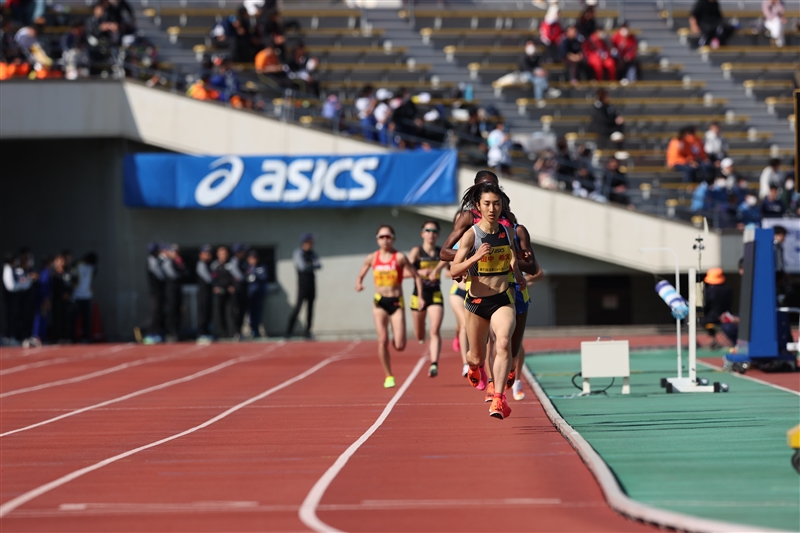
[425,259]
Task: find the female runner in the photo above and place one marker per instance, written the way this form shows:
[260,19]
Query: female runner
[387,266]
[487,255]
[425,259]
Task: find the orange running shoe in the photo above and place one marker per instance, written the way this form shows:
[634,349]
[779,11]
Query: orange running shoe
[506,408]
[477,378]
[489,392]
[496,409]
[511,378]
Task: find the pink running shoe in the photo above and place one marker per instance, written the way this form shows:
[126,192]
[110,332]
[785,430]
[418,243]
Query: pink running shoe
[477,378]
[456,345]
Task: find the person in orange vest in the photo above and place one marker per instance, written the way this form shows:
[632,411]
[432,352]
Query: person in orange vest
[685,154]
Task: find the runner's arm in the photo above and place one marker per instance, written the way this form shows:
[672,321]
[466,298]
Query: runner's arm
[363,272]
[460,227]
[408,267]
[460,264]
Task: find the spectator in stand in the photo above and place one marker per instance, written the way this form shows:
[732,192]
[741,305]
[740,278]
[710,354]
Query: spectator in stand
[718,205]
[224,288]
[29,43]
[598,57]
[771,206]
[584,184]
[332,108]
[625,49]
[546,167]
[121,13]
[706,19]
[771,175]
[775,20]
[44,305]
[225,82]
[256,279]
[306,261]
[104,33]
[75,51]
[551,33]
[202,90]
[205,292]
[382,114]
[586,23]
[87,270]
[405,114]
[302,68]
[566,165]
[685,154]
[615,184]
[748,211]
[572,55]
[714,143]
[470,140]
[268,65]
[61,287]
[728,172]
[270,26]
[740,188]
[532,72]
[13,63]
[606,122]
[365,105]
[174,270]
[700,200]
[790,197]
[244,42]
[499,143]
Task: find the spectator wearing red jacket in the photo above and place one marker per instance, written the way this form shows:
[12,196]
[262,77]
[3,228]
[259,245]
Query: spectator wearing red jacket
[624,47]
[598,57]
[551,32]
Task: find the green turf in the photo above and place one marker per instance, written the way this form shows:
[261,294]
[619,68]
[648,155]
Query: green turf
[719,456]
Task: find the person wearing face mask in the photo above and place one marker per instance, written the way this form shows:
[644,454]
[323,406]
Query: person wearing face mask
[624,48]
[748,211]
[598,56]
[727,171]
[741,189]
[771,175]
[788,196]
[771,206]
[531,71]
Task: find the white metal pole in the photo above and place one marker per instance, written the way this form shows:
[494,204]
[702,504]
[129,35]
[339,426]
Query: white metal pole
[692,325]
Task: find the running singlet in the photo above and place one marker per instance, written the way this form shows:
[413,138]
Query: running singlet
[498,261]
[430,262]
[388,274]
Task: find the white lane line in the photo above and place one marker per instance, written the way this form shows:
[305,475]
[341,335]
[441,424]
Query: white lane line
[742,376]
[12,504]
[140,392]
[308,509]
[98,373]
[60,360]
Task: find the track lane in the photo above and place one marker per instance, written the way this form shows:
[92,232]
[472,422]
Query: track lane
[439,449]
[271,452]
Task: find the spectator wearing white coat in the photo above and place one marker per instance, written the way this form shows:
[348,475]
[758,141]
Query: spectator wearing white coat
[774,19]
[499,144]
[714,143]
[771,175]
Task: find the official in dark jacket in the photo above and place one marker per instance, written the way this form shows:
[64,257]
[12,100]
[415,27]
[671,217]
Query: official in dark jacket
[306,261]
[255,276]
[224,288]
[205,293]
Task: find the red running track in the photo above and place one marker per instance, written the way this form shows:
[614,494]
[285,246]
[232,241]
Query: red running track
[437,463]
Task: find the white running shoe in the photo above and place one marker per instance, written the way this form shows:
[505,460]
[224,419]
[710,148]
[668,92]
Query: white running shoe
[519,394]
[464,370]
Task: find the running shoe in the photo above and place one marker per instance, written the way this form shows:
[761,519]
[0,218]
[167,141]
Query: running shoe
[489,392]
[464,370]
[519,394]
[477,378]
[388,383]
[433,370]
[456,345]
[511,379]
[499,408]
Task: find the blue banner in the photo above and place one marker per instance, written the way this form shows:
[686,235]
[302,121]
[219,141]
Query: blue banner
[236,182]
